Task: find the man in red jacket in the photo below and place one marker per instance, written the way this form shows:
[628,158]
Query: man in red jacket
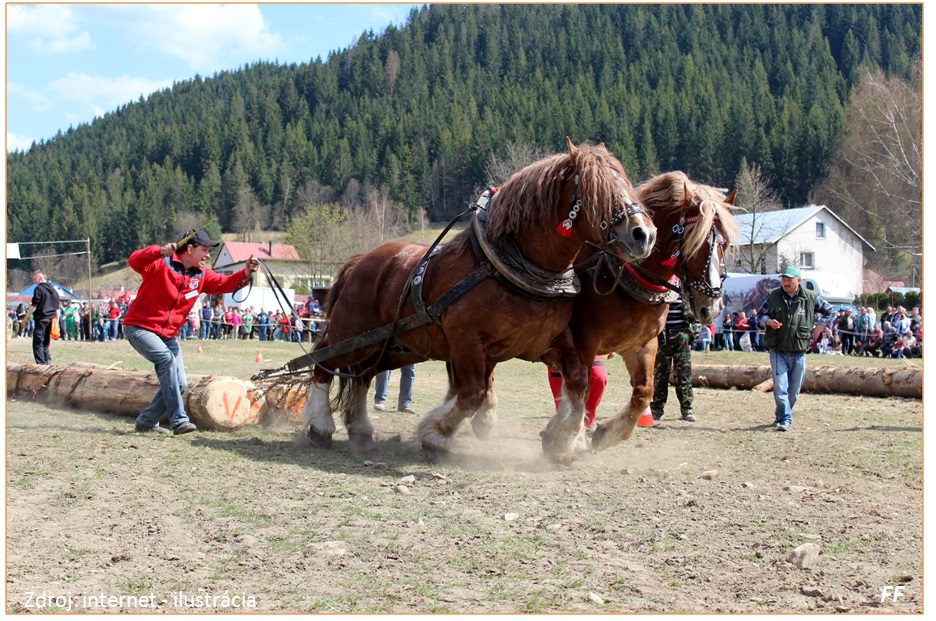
[174,277]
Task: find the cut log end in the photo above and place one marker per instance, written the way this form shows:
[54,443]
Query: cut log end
[221,403]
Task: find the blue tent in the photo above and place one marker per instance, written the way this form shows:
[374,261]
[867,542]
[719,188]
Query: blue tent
[64,293]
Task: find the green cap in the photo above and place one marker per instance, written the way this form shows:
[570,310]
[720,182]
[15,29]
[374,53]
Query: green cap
[791,272]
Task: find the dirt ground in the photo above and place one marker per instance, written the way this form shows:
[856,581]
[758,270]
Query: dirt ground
[682,518]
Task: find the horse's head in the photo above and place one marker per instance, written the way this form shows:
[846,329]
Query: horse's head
[699,229]
[613,205]
[552,207]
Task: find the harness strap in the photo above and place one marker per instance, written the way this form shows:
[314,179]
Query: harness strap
[389,331]
[660,284]
[510,268]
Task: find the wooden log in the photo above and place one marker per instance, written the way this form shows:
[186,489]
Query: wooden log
[283,404]
[765,386]
[221,403]
[870,382]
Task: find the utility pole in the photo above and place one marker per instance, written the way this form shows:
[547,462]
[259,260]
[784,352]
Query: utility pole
[88,244]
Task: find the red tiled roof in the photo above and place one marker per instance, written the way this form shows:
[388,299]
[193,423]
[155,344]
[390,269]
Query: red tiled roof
[241,251]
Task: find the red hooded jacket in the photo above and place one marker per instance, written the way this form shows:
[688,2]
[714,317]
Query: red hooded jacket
[169,291]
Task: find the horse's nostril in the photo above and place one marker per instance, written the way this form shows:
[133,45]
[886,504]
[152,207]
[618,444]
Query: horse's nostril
[640,235]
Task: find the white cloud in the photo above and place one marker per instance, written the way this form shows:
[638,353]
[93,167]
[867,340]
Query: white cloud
[17,143]
[206,37]
[38,102]
[101,93]
[49,28]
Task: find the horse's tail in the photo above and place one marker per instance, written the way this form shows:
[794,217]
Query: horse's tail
[351,389]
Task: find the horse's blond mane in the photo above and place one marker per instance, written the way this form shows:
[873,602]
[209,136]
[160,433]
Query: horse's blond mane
[667,192]
[533,192]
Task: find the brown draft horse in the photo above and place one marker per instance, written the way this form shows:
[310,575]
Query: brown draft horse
[696,227]
[492,322]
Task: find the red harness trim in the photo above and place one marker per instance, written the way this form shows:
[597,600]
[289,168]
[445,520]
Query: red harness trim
[646,283]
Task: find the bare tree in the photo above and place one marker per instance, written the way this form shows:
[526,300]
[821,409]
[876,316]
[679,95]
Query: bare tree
[392,69]
[383,215]
[326,234]
[313,192]
[246,213]
[756,198]
[875,181]
[501,166]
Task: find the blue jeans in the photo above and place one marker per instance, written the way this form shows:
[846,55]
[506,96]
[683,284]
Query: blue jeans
[788,371]
[166,354]
[407,375]
[205,330]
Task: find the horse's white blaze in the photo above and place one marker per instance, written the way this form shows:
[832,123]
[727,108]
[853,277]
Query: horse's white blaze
[317,413]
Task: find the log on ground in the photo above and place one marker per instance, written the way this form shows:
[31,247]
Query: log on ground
[221,403]
[869,382]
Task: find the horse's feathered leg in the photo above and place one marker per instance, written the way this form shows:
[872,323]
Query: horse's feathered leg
[437,429]
[564,434]
[356,420]
[621,426]
[484,420]
[318,422]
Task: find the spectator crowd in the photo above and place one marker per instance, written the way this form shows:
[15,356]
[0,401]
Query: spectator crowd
[102,321]
[896,334]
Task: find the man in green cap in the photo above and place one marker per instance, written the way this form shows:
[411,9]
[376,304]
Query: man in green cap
[788,316]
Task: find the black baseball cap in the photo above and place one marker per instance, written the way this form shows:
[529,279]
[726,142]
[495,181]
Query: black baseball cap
[200,238]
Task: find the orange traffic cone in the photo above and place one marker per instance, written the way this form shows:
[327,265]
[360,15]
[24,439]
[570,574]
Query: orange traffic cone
[259,357]
[199,348]
[646,419]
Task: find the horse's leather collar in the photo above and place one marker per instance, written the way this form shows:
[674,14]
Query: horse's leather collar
[512,268]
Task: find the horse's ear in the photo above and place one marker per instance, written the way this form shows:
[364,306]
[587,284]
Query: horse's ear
[601,145]
[731,198]
[573,152]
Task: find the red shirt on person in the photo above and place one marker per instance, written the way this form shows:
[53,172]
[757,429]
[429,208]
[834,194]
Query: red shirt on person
[169,291]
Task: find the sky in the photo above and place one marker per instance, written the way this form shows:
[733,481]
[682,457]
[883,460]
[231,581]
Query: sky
[69,63]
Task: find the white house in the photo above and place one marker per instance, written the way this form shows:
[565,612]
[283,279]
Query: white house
[811,238]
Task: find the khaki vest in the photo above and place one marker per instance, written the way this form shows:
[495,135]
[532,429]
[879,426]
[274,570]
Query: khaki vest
[794,336]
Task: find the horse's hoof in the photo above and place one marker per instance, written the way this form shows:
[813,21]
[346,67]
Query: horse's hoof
[436,456]
[598,438]
[319,440]
[361,441]
[482,429]
[563,459]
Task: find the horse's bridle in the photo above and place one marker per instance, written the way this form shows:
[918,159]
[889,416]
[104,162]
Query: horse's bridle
[701,285]
[618,215]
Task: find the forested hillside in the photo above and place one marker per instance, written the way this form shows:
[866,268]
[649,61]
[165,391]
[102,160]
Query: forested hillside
[417,112]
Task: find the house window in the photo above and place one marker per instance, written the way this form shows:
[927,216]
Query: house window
[820,230]
[807,260]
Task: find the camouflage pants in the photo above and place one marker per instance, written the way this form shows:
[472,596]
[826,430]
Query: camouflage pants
[674,354]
